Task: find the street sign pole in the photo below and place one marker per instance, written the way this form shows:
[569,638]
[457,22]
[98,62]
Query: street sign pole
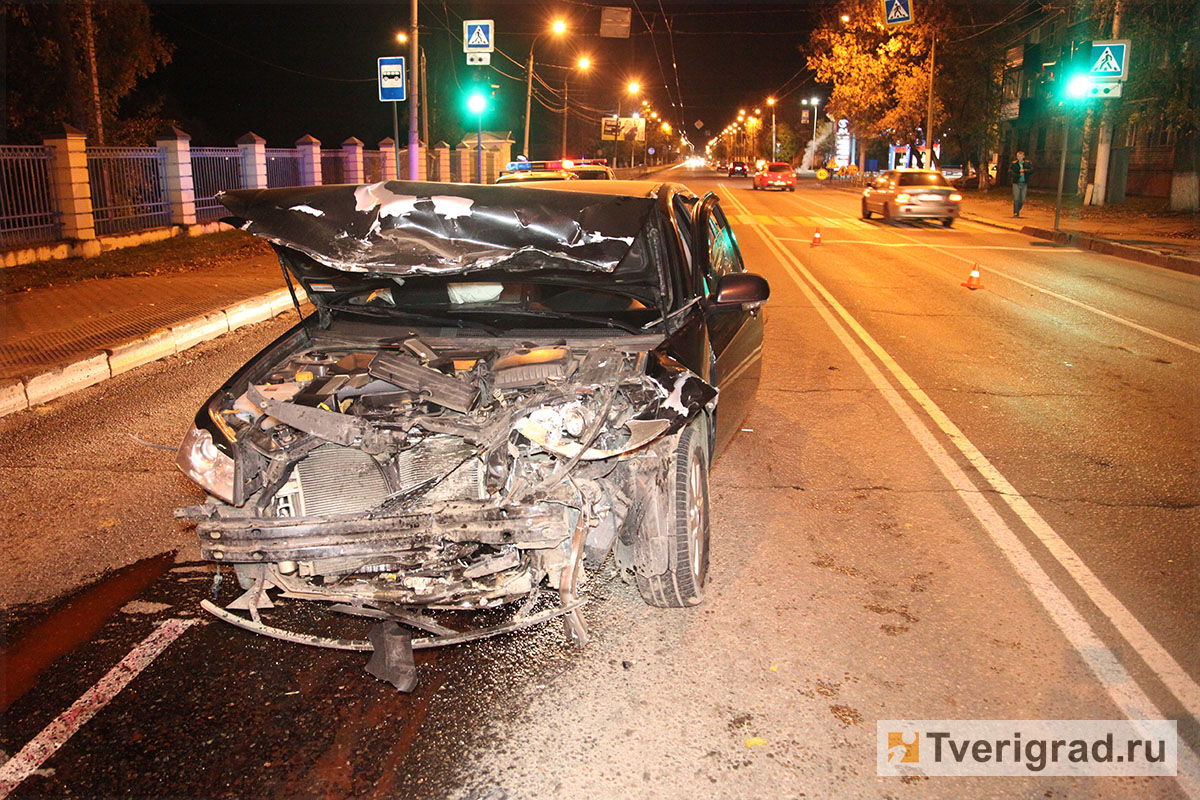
[396,135]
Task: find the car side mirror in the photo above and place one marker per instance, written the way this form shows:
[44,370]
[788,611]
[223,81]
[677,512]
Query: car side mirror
[743,289]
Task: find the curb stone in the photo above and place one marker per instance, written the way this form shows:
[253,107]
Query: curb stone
[81,374]
[19,394]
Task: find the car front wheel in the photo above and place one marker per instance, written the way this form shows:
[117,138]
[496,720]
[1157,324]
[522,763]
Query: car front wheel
[687,528]
[866,212]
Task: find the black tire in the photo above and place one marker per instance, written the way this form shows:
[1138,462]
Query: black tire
[791,188]
[865,213]
[755,187]
[948,222]
[887,213]
[682,584]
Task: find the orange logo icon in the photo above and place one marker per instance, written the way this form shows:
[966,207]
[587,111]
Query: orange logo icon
[904,748]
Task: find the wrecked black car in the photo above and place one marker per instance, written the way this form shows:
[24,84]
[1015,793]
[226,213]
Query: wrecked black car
[499,387]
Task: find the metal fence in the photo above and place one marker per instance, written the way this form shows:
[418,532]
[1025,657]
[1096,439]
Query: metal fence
[372,166]
[333,167]
[27,210]
[283,167]
[129,188]
[214,169]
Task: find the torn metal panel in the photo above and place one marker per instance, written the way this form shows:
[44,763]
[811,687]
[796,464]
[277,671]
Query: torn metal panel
[403,227]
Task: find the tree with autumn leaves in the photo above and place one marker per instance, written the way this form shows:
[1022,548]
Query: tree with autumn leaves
[880,75]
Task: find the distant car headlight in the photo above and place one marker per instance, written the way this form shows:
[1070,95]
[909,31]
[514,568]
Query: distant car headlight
[954,198]
[201,461]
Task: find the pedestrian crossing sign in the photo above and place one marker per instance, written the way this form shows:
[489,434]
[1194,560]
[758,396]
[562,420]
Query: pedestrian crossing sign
[477,35]
[1109,60]
[897,12]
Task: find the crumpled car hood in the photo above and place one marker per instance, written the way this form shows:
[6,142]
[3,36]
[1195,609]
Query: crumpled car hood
[405,227]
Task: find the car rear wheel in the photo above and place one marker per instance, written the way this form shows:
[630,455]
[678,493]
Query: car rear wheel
[866,213]
[948,221]
[687,529]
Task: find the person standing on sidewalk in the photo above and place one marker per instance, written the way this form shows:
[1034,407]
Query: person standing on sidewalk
[1019,172]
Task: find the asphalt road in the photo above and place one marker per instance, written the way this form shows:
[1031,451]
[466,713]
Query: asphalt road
[946,504]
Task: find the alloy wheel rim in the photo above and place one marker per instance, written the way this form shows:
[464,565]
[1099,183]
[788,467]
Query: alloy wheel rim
[696,518]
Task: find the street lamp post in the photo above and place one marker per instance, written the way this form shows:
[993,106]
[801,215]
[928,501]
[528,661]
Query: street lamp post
[583,64]
[632,88]
[414,142]
[558,28]
[774,146]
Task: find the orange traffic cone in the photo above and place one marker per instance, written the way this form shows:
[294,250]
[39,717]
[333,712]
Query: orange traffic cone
[816,240]
[972,281]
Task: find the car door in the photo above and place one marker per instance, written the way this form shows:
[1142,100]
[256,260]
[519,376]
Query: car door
[735,334]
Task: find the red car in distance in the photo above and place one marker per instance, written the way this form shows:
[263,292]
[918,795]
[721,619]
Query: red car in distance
[777,174]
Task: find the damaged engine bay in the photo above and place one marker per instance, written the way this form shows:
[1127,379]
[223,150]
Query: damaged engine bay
[460,479]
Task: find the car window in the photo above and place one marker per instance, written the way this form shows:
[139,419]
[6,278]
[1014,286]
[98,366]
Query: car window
[724,256]
[779,168]
[922,179]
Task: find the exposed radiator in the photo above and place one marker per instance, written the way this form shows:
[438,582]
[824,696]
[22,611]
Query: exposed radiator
[332,480]
[432,458]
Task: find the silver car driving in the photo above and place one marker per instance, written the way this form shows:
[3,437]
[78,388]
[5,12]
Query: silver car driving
[912,194]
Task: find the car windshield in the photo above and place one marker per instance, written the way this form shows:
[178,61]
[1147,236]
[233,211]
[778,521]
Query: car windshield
[922,179]
[508,302]
[779,168]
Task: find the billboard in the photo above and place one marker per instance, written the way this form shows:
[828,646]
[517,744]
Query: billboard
[632,129]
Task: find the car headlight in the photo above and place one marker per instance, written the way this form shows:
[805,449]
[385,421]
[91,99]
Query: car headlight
[903,197]
[201,461]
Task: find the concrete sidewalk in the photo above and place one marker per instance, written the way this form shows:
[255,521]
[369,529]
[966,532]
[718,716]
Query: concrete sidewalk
[58,339]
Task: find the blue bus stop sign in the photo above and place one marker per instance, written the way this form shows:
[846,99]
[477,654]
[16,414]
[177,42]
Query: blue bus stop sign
[393,85]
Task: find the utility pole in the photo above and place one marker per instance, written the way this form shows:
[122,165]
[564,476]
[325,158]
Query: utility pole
[1062,165]
[414,142]
[929,109]
[425,105]
[528,99]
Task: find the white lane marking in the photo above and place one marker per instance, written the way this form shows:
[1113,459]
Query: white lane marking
[911,244]
[1102,662]
[1080,304]
[54,735]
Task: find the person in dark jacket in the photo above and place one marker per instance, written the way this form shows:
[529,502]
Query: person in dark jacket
[1019,172]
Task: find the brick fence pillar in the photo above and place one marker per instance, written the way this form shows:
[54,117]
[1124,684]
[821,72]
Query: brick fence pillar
[72,191]
[310,160]
[387,158]
[254,161]
[180,191]
[441,156]
[352,159]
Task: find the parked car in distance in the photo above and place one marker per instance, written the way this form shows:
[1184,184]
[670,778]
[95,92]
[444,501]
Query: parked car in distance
[526,175]
[900,194]
[592,172]
[739,168]
[776,175]
[500,388]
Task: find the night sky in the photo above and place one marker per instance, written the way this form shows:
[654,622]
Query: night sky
[284,70]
